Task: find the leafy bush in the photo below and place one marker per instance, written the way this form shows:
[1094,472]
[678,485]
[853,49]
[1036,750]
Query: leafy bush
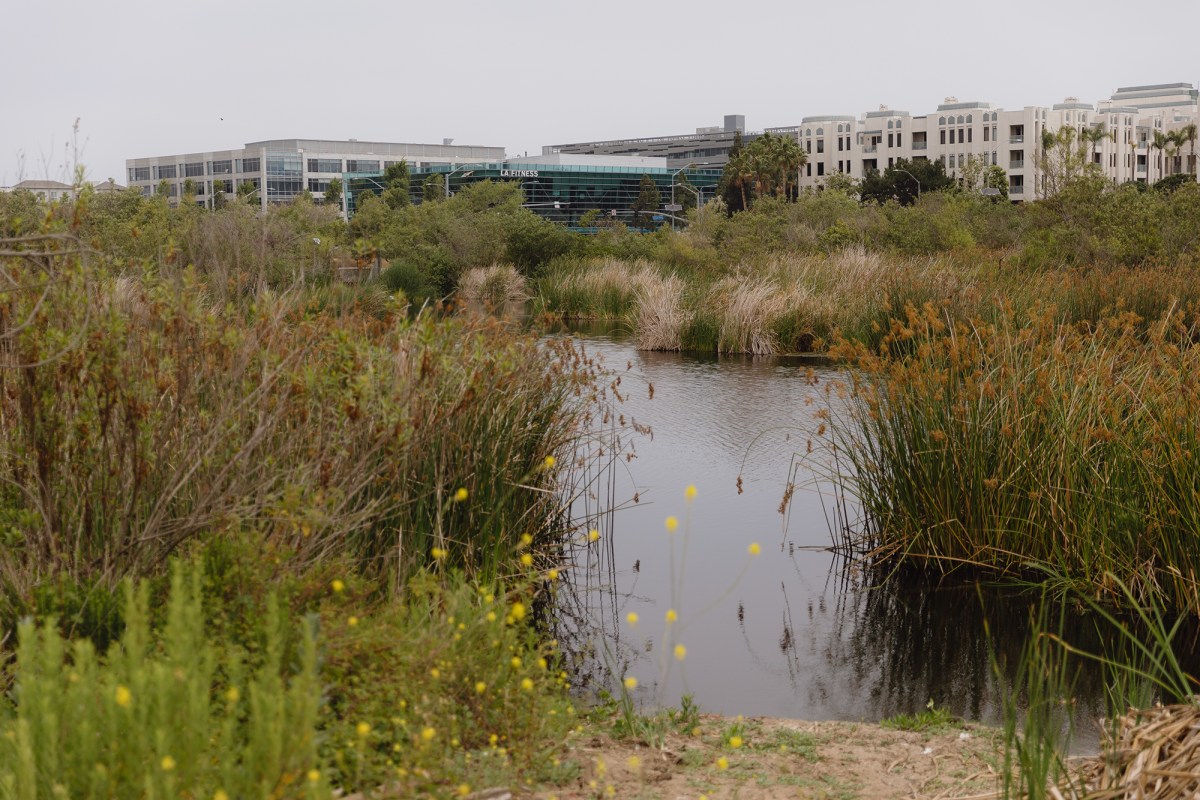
[191,719]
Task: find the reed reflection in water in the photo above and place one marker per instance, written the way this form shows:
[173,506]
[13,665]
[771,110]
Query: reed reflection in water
[798,631]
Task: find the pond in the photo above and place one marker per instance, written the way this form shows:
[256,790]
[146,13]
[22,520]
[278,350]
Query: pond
[796,631]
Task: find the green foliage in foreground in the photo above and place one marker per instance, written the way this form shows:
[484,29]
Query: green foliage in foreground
[163,717]
[446,686]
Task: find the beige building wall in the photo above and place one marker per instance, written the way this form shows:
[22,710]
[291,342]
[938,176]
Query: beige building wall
[1010,139]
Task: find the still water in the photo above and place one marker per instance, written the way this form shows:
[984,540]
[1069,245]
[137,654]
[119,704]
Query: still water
[796,631]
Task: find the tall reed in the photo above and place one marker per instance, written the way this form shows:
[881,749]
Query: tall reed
[1007,445]
[136,417]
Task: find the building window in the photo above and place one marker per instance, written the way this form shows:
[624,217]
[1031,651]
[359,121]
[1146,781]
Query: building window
[164,172]
[220,167]
[248,165]
[943,132]
[820,145]
[324,165]
[985,133]
[820,168]
[891,140]
[139,173]
[194,169]
[969,130]
[899,135]
[809,172]
[317,186]
[839,144]
[353,165]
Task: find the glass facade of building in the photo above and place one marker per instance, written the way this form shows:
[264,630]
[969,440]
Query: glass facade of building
[559,192]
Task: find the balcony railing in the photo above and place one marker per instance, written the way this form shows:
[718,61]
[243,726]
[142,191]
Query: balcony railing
[920,145]
[1016,190]
[1016,140]
[870,148]
[1018,164]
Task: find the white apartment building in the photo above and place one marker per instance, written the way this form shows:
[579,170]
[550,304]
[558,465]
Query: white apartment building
[279,169]
[1010,139]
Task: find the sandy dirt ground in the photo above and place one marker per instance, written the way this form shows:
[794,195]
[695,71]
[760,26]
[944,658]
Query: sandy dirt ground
[789,759]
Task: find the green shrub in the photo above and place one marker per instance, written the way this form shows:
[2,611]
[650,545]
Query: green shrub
[188,720]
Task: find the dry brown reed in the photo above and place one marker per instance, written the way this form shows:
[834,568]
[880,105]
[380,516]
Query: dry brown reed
[745,310]
[498,288]
[660,316]
[1154,755]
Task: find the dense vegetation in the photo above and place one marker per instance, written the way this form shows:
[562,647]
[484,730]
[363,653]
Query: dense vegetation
[362,489]
[364,502]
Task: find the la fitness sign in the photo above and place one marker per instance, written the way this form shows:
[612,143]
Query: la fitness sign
[518,173]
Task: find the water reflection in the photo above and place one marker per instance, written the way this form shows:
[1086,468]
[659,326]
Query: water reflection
[798,631]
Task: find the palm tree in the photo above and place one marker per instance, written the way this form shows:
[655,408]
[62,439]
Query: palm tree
[1188,134]
[1092,136]
[1160,144]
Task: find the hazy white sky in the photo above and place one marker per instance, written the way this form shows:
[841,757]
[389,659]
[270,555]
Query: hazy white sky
[153,77]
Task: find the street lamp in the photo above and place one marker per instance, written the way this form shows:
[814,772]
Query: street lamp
[451,172]
[914,177]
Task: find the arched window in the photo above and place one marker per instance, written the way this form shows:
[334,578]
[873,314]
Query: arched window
[891,124]
[820,131]
[941,120]
[968,119]
[960,119]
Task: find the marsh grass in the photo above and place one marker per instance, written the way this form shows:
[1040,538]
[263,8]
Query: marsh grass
[138,417]
[499,288]
[1001,446]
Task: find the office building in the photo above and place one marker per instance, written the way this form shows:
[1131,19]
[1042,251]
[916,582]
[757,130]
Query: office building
[564,187]
[279,169]
[1011,139]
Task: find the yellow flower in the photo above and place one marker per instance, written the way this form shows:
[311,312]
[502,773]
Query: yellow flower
[518,610]
[680,652]
[493,739]
[526,540]
[552,575]
[632,619]
[460,495]
[516,662]
[526,559]
[233,695]
[428,733]
[491,616]
[672,523]
[542,663]
[124,697]
[593,535]
[690,492]
[480,687]
[167,763]
[363,729]
[352,621]
[527,684]
[722,763]
[313,776]
[463,790]
[634,762]
[435,673]
[438,553]
[631,683]
[735,742]
[220,794]
[337,585]
[671,615]
[549,462]
[754,549]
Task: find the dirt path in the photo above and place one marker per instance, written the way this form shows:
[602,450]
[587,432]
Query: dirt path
[789,759]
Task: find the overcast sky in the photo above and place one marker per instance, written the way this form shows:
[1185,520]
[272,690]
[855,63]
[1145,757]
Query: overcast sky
[155,77]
